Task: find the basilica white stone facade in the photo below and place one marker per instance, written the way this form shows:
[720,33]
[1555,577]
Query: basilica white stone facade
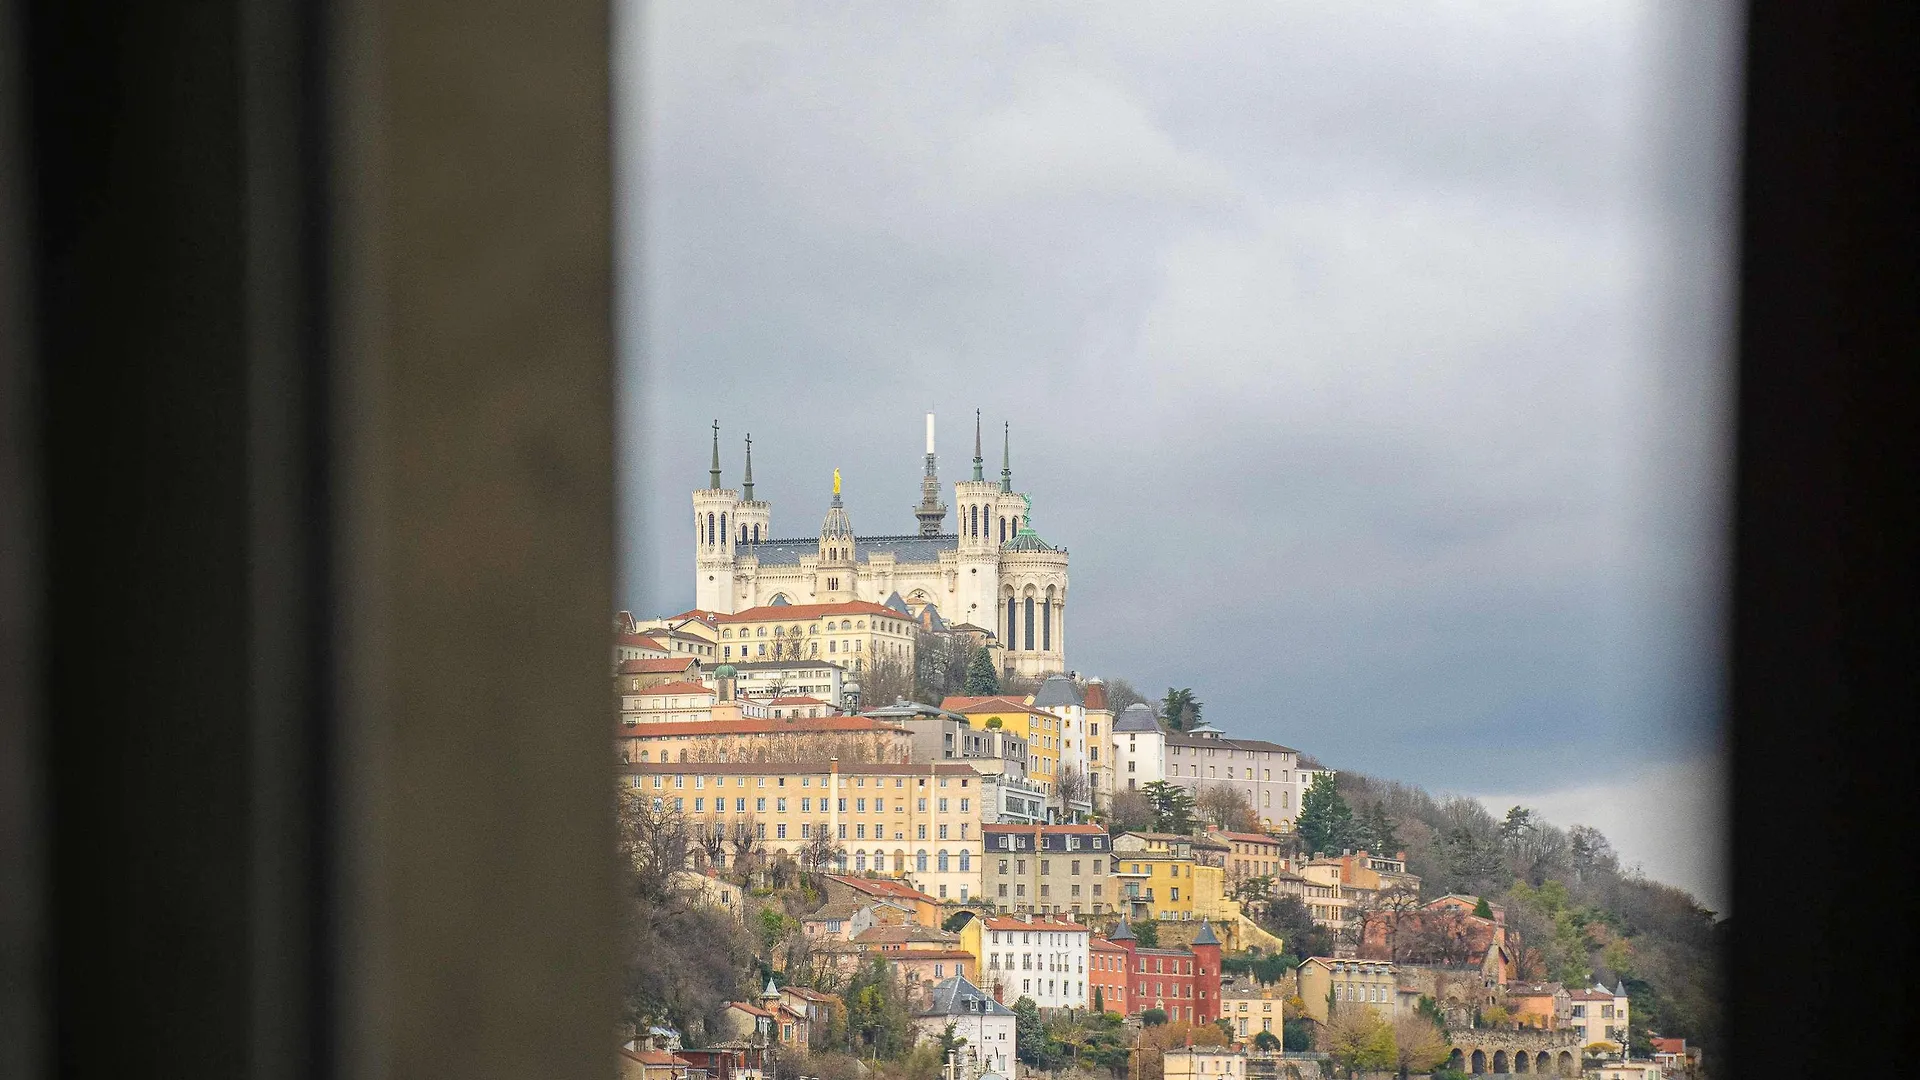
[992,571]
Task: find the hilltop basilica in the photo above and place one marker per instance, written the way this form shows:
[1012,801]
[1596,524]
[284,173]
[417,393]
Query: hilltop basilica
[990,573]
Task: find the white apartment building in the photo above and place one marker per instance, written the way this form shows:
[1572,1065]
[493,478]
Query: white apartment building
[1038,959]
[821,679]
[1061,697]
[1266,772]
[1139,748]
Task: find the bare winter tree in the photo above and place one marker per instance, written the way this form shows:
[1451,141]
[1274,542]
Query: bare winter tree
[822,853]
[712,837]
[1072,787]
[655,838]
[745,836]
[885,681]
[1227,807]
[1129,810]
[1120,694]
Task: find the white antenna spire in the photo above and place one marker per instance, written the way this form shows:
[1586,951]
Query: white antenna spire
[929,431]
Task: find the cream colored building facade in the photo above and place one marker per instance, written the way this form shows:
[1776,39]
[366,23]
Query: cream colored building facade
[916,822]
[1203,1063]
[853,633]
[1333,984]
[1253,1007]
[992,570]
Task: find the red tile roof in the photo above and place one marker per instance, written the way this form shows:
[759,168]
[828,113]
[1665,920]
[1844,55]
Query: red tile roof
[882,886]
[792,701]
[1250,837]
[805,612]
[675,688]
[1095,697]
[746,1008]
[792,768]
[639,641]
[941,954]
[990,704]
[657,665]
[1008,922]
[694,614]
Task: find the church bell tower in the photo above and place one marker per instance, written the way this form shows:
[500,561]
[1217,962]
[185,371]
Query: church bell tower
[715,511]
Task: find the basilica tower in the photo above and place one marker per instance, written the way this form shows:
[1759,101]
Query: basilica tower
[753,517]
[834,574]
[715,510]
[978,558]
[931,510]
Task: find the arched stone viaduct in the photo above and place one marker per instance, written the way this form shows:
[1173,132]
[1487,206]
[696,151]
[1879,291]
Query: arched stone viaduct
[1516,1053]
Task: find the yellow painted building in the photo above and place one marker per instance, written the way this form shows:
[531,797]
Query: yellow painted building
[1329,985]
[1040,728]
[855,634]
[918,822]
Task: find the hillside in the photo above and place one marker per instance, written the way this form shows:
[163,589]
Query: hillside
[1580,917]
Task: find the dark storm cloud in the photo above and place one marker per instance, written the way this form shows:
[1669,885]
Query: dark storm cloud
[1363,358]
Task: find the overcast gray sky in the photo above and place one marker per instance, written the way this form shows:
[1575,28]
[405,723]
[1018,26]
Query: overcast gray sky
[1368,359]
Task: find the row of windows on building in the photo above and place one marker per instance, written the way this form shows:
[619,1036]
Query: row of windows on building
[791,650]
[806,805]
[1046,866]
[701,780]
[1031,962]
[814,628]
[979,517]
[1376,995]
[1047,610]
[1020,891]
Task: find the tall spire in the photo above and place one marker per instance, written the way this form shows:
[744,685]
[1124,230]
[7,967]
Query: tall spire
[746,484]
[977,474]
[931,510]
[1006,461]
[715,471]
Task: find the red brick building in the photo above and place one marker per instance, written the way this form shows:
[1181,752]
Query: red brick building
[1108,965]
[1185,983]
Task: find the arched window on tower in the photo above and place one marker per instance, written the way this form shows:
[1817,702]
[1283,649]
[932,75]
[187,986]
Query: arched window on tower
[1013,624]
[709,530]
[1028,636]
[973,526]
[756,534]
[1046,624]
[723,524]
[1003,529]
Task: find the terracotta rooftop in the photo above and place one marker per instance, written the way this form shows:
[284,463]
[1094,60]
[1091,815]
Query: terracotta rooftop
[991,705]
[791,768]
[1008,922]
[657,665]
[804,612]
[883,887]
[671,688]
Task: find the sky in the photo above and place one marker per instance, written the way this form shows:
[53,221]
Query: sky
[1369,361]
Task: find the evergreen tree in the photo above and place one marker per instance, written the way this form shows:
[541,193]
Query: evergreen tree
[1179,710]
[982,679]
[1377,832]
[1325,822]
[1483,909]
[1173,807]
[1030,1035]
